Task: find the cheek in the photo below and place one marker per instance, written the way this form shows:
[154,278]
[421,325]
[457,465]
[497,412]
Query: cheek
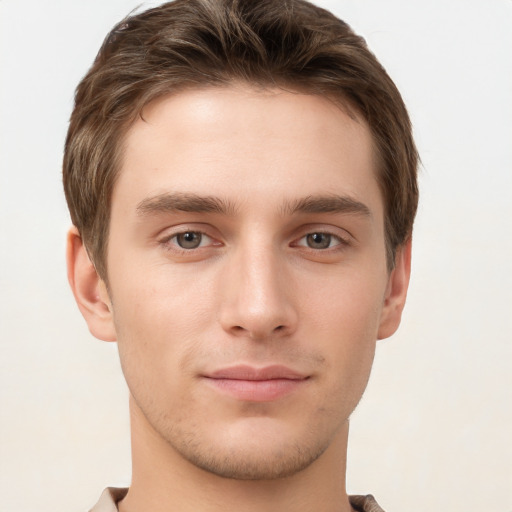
[158,322]
[344,323]
[163,305]
[348,304]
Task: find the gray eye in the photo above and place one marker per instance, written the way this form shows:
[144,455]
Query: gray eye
[318,240]
[189,239]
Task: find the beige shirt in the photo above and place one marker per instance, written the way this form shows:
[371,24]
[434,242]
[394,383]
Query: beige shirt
[111,495]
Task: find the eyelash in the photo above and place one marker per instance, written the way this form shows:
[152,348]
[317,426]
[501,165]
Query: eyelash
[341,242]
[170,242]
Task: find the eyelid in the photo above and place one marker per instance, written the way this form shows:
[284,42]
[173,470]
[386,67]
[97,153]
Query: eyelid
[344,236]
[341,241]
[170,234]
[203,242]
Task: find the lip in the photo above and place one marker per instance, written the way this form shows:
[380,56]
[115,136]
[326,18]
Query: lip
[248,383]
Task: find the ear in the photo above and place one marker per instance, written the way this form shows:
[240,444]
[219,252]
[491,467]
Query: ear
[396,292]
[89,289]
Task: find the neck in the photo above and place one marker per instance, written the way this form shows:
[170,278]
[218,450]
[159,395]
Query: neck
[163,481]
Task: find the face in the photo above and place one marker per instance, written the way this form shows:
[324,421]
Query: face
[247,275]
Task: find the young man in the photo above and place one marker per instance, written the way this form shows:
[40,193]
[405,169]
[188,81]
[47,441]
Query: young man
[241,177]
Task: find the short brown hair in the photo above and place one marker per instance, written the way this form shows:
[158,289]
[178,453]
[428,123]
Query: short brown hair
[198,43]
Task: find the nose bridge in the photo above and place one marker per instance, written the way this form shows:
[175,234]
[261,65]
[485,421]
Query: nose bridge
[256,303]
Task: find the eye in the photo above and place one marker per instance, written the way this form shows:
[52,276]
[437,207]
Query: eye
[319,240]
[190,239]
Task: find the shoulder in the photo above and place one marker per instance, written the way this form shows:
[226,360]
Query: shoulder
[112,495]
[365,503]
[109,499]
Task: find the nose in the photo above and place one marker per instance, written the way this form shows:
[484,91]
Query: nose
[257,299]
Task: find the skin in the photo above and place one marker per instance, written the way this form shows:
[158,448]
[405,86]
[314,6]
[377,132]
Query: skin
[265,278]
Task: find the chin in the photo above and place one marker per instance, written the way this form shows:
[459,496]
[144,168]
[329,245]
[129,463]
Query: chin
[257,452]
[249,465]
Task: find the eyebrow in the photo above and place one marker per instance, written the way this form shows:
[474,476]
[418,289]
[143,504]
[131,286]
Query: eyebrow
[193,203]
[181,202]
[328,204]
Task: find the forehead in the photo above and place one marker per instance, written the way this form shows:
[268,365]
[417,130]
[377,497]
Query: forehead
[244,141]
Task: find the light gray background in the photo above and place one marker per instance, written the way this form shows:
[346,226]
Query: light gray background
[434,430]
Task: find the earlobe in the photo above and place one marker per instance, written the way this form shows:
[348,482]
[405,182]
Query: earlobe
[396,292]
[89,289]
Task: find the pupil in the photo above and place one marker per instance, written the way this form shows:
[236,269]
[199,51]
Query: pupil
[319,240]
